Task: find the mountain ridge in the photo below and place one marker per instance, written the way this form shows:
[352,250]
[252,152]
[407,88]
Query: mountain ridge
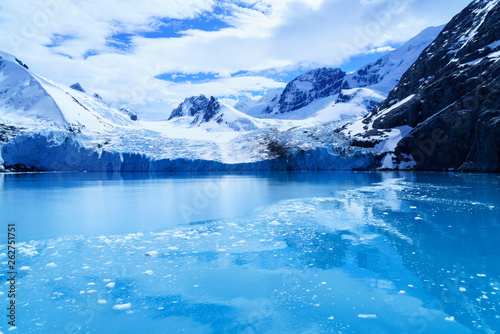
[448,101]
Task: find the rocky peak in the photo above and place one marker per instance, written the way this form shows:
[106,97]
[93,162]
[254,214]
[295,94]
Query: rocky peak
[78,87]
[450,97]
[314,84]
[191,106]
[213,108]
[22,64]
[131,114]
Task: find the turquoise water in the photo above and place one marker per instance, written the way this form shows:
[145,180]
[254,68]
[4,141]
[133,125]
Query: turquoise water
[254,253]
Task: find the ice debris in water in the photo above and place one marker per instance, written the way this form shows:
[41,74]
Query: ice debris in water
[122,306]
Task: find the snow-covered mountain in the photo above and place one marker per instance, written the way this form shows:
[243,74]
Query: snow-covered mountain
[48,126]
[212,115]
[264,105]
[27,98]
[329,94]
[383,74]
[445,112]
[308,87]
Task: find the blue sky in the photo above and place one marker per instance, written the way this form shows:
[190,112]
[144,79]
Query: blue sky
[152,55]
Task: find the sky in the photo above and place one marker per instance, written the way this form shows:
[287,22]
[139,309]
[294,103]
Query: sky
[149,55]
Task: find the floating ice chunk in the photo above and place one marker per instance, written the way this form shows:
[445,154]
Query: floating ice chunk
[331,318]
[367,316]
[92,291]
[152,253]
[481,275]
[86,267]
[172,248]
[51,265]
[222,250]
[462,289]
[323,283]
[413,207]
[25,268]
[274,223]
[148,272]
[28,250]
[105,280]
[111,284]
[101,301]
[450,318]
[58,279]
[418,218]
[120,307]
[91,283]
[402,292]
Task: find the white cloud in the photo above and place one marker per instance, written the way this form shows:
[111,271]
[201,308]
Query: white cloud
[379,50]
[263,35]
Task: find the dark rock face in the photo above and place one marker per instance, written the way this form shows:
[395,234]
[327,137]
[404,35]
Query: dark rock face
[312,85]
[202,108]
[97,97]
[213,108]
[131,114]
[454,96]
[190,107]
[78,87]
[22,64]
[369,74]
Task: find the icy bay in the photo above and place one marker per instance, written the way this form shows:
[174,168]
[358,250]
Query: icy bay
[339,252]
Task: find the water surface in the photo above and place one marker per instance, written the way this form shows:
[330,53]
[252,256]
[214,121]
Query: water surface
[256,253]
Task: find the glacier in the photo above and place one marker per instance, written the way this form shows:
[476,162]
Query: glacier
[46,126]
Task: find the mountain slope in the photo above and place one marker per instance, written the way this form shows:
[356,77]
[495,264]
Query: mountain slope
[329,94]
[312,85]
[383,74]
[264,105]
[210,114]
[29,98]
[447,103]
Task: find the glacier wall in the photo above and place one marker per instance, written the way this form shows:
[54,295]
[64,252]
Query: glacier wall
[58,151]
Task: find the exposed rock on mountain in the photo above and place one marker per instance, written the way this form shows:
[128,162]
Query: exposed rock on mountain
[445,112]
[211,114]
[78,87]
[131,114]
[330,95]
[190,107]
[313,85]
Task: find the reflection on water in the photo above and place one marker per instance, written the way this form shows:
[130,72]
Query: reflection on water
[50,205]
[384,253]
